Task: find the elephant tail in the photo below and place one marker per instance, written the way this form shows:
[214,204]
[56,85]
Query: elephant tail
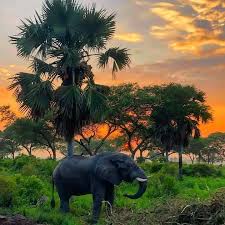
[53,199]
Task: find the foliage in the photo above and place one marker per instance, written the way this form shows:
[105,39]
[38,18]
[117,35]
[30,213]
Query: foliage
[128,111]
[60,41]
[7,190]
[6,115]
[94,138]
[32,179]
[29,189]
[202,170]
[176,114]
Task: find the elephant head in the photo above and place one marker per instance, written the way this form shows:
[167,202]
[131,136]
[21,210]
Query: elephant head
[117,167]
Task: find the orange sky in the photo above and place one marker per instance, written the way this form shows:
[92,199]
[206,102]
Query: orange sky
[170,41]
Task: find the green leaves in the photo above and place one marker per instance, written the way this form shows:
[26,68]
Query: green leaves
[60,41]
[34,95]
[178,111]
[120,59]
[69,99]
[96,101]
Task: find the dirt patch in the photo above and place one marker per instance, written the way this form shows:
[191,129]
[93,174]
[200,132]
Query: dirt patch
[174,212]
[207,213]
[16,220]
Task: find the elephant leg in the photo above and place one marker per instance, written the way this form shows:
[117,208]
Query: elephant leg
[64,198]
[109,198]
[64,205]
[97,204]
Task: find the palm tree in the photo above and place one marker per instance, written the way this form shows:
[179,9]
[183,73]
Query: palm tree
[60,42]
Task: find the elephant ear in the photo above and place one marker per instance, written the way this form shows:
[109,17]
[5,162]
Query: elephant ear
[107,171]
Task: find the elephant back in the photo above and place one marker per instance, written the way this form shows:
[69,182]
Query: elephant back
[72,168]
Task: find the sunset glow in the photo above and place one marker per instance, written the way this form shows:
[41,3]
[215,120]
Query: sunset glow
[170,41]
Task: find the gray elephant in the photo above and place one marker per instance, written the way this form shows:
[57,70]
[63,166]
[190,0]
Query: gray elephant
[95,175]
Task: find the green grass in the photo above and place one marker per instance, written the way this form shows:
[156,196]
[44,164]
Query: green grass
[31,177]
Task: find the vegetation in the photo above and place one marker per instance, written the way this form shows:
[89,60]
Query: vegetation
[32,179]
[60,41]
[150,123]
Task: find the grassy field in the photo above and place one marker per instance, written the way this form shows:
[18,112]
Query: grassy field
[25,188]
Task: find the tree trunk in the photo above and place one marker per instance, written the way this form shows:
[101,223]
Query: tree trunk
[180,175]
[167,155]
[141,154]
[133,155]
[70,148]
[199,157]
[54,154]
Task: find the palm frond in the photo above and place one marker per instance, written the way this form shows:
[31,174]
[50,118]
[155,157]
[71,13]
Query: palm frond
[64,17]
[120,59]
[96,101]
[97,27]
[33,36]
[41,67]
[69,101]
[33,94]
[69,112]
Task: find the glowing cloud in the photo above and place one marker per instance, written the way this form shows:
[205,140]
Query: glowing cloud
[129,37]
[192,26]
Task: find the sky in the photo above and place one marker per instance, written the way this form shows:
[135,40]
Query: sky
[179,41]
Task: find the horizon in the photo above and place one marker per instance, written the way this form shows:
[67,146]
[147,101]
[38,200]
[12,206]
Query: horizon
[180,41]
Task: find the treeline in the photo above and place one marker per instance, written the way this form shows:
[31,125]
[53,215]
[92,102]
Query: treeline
[148,122]
[210,149]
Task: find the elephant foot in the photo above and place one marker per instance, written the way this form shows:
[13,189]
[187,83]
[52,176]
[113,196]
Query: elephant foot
[64,207]
[92,222]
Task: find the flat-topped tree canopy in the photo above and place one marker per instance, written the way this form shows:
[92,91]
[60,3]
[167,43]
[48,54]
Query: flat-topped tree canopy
[60,41]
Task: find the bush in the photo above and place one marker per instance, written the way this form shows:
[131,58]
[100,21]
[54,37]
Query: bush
[151,167]
[162,185]
[170,169]
[29,189]
[7,191]
[202,170]
[29,165]
[21,161]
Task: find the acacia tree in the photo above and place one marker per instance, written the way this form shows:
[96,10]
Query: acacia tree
[9,147]
[21,133]
[90,139]
[195,149]
[214,150]
[129,111]
[182,109]
[60,42]
[6,115]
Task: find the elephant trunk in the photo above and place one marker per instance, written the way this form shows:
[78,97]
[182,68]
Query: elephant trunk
[141,190]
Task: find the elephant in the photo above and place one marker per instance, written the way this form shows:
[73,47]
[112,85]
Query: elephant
[96,175]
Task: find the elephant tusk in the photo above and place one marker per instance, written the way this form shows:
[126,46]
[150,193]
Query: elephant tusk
[141,179]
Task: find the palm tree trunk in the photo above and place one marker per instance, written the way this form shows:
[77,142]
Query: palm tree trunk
[70,148]
[180,175]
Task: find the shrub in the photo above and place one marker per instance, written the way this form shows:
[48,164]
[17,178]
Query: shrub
[162,185]
[29,189]
[29,165]
[7,191]
[151,167]
[21,161]
[202,170]
[170,169]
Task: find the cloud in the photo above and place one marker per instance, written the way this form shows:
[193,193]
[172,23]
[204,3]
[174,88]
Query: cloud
[191,26]
[7,71]
[129,37]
